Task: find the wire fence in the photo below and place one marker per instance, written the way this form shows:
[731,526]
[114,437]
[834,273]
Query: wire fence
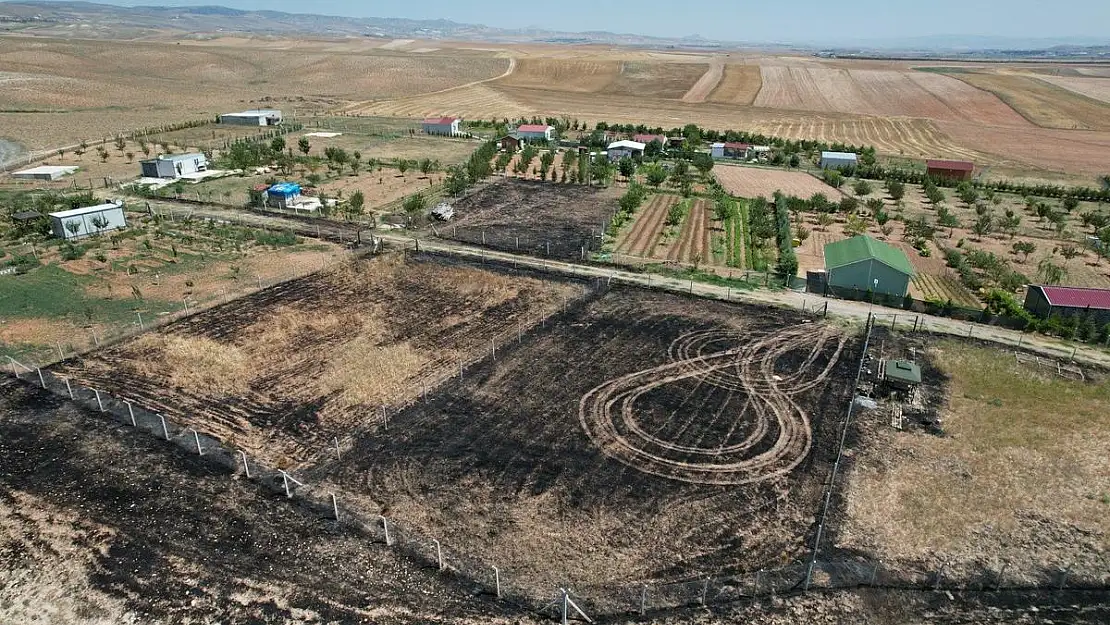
[824,570]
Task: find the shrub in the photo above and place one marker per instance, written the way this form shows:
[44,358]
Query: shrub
[70,251]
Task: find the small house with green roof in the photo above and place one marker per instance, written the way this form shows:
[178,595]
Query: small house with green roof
[862,263]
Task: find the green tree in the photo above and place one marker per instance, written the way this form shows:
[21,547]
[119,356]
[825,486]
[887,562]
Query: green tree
[1070,203]
[304,146]
[627,167]
[121,144]
[946,219]
[403,166]
[896,189]
[656,175]
[855,226]
[833,178]
[983,226]
[848,204]
[1049,272]
[1095,221]
[801,233]
[456,181]
[1010,222]
[824,220]
[356,202]
[1025,248]
[1069,252]
[415,204]
[935,195]
[862,187]
[703,163]
[795,162]
[100,222]
[277,145]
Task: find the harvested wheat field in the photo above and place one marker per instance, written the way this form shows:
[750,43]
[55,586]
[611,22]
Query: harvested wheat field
[1042,103]
[751,182]
[583,76]
[1017,483]
[740,84]
[1091,87]
[669,81]
[282,371]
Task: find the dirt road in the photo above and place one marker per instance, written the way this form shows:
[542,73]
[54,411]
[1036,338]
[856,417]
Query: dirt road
[854,311]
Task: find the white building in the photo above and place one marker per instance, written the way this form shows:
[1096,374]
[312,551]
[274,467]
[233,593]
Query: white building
[45,172]
[838,160]
[535,132]
[620,149]
[448,126]
[253,117]
[717,150]
[89,220]
[174,165]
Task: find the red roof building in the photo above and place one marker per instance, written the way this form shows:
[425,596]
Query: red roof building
[1045,301]
[440,121]
[532,128]
[953,170]
[645,139]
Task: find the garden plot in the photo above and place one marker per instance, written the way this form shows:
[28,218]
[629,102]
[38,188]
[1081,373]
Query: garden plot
[639,436]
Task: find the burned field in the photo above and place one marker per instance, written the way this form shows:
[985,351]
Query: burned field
[283,372]
[638,437]
[540,219]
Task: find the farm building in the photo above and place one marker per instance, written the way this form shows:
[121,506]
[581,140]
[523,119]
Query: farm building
[646,139]
[174,165]
[534,132]
[620,149]
[82,222]
[283,194]
[45,172]
[862,264]
[952,170]
[254,117]
[717,150]
[899,375]
[510,142]
[448,126]
[737,150]
[1045,301]
[838,160]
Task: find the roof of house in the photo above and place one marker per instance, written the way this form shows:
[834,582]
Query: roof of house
[950,165]
[717,145]
[631,145]
[440,121]
[1076,297]
[253,113]
[49,169]
[863,247]
[87,210]
[901,370]
[844,155]
[533,128]
[285,188]
[649,138]
[173,158]
[733,145]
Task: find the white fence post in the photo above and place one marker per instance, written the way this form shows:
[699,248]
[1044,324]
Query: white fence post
[335,507]
[497,581]
[69,388]
[246,467]
[385,529]
[99,404]
[196,437]
[165,430]
[439,553]
[42,381]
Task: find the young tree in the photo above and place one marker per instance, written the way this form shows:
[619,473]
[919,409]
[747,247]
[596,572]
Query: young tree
[656,175]
[801,233]
[1068,252]
[848,204]
[403,166]
[703,163]
[946,219]
[886,229]
[1095,221]
[1010,223]
[833,178]
[414,204]
[1070,203]
[304,146]
[1025,248]
[1049,272]
[130,157]
[896,189]
[355,203]
[100,222]
[824,220]
[456,181]
[935,195]
[795,162]
[982,226]
[855,226]
[875,205]
[862,187]
[145,148]
[277,145]
[121,144]
[627,167]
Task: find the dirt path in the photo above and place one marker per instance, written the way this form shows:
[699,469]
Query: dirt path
[707,83]
[856,311]
[508,72]
[645,231]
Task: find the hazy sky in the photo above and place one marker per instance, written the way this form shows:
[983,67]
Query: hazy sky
[738,20]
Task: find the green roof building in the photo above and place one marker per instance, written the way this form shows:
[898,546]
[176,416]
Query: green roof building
[862,263]
[899,373]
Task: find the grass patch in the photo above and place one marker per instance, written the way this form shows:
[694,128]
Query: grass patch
[1024,454]
[53,293]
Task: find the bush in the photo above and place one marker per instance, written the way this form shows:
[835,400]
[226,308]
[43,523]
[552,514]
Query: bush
[70,251]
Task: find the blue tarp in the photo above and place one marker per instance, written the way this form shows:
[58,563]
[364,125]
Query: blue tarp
[285,188]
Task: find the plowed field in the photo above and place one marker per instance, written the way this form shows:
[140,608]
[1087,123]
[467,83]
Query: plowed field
[642,238]
[752,182]
[692,245]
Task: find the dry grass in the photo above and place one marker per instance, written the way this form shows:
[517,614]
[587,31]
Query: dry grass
[669,81]
[584,76]
[1044,104]
[194,362]
[366,373]
[1092,87]
[1023,462]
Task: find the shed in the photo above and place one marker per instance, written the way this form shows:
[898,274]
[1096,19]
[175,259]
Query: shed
[253,117]
[283,194]
[951,170]
[717,150]
[900,374]
[534,132]
[45,172]
[865,264]
[620,149]
[447,126]
[838,160]
[1045,301]
[510,142]
[174,165]
[89,220]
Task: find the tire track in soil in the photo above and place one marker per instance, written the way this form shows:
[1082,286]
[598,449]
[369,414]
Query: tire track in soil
[645,232]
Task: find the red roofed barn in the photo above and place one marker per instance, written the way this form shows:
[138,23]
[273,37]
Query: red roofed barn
[441,126]
[1045,301]
[534,132]
[952,170]
[645,139]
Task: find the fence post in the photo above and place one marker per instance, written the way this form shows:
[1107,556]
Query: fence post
[1001,573]
[99,404]
[940,575]
[1064,578]
[15,370]
[758,579]
[196,437]
[704,590]
[809,574]
[69,388]
[497,581]
[385,529]
[165,430]
[643,600]
[337,454]
[141,326]
[439,553]
[42,381]
[246,467]
[335,507]
[874,572]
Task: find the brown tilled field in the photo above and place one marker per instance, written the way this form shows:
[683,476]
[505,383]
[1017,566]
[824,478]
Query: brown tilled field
[752,182]
[1043,103]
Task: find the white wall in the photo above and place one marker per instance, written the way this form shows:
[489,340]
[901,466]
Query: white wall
[114,216]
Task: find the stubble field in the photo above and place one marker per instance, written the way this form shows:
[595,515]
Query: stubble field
[752,182]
